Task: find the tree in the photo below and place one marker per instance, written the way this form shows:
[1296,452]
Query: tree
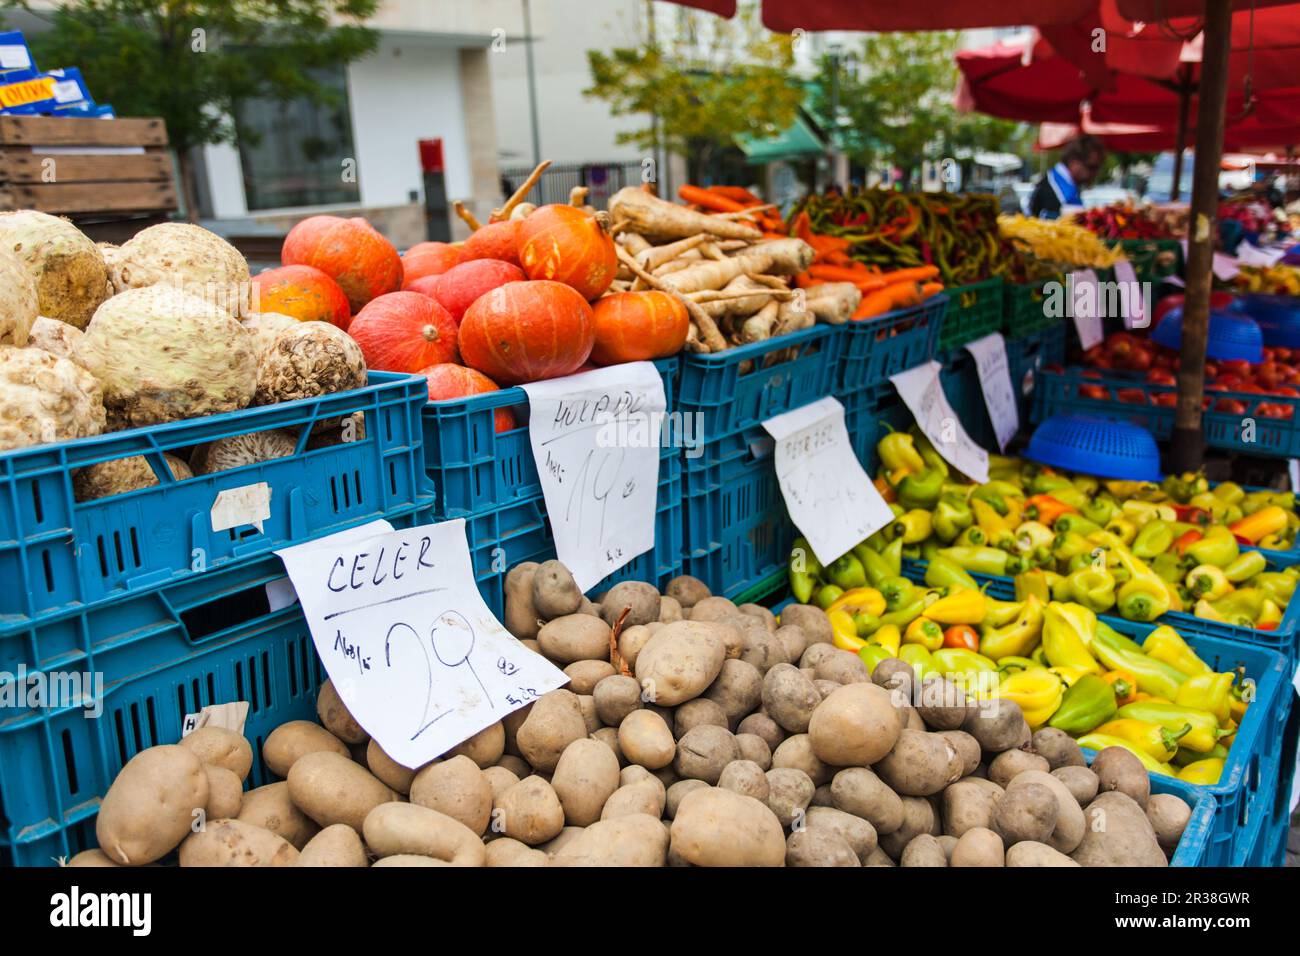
[716,80]
[192,61]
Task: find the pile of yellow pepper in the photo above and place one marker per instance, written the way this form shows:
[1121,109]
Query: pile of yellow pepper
[1063,666]
[1139,549]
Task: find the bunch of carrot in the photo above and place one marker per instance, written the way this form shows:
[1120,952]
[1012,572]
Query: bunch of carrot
[736,199]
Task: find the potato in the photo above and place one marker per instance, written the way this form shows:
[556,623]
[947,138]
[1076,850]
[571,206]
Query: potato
[920,764]
[92,858]
[531,811]
[923,850]
[918,817]
[789,793]
[978,847]
[1069,817]
[484,748]
[897,677]
[1117,832]
[793,641]
[719,828]
[878,857]
[532,645]
[704,751]
[151,804]
[235,843]
[761,614]
[789,698]
[737,689]
[967,805]
[942,704]
[1168,815]
[761,648]
[221,748]
[754,749]
[745,777]
[1036,854]
[335,716]
[609,737]
[761,725]
[500,779]
[225,793]
[644,797]
[393,774]
[645,739]
[824,687]
[589,607]
[521,617]
[291,740]
[585,777]
[1026,813]
[336,845]
[554,722]
[687,591]
[814,623]
[332,789]
[814,654]
[679,662]
[711,609]
[949,843]
[585,675]
[515,764]
[859,791]
[843,667]
[857,832]
[559,841]
[640,600]
[509,853]
[630,642]
[555,593]
[997,724]
[587,704]
[824,847]
[967,747]
[574,637]
[271,808]
[636,774]
[1007,764]
[633,840]
[670,611]
[797,752]
[677,792]
[407,829]
[697,713]
[1058,748]
[1080,781]
[616,696]
[1118,769]
[457,788]
[408,859]
[854,727]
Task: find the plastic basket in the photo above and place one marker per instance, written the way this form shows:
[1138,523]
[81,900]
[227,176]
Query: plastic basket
[875,349]
[1231,336]
[961,385]
[1095,446]
[1024,309]
[1027,357]
[476,468]
[59,554]
[973,312]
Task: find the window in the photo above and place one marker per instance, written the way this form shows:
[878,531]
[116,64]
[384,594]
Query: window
[293,153]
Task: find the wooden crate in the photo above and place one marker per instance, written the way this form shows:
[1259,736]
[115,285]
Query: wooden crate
[81,167]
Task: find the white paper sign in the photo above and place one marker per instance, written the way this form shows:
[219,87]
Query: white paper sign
[1085,299]
[595,439]
[1248,255]
[410,646]
[922,393]
[830,497]
[1133,302]
[990,354]
[1293,468]
[237,507]
[1224,267]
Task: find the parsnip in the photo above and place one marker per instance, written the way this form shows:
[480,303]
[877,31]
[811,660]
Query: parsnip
[659,220]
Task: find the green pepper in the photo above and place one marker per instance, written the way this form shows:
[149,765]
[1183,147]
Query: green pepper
[978,560]
[847,572]
[897,591]
[827,595]
[897,450]
[1246,565]
[1242,605]
[950,519]
[1167,567]
[972,537]
[920,659]
[1012,665]
[930,549]
[944,572]
[1186,756]
[875,566]
[1100,510]
[1046,484]
[893,555]
[1088,703]
[1076,523]
[1278,585]
[1155,537]
[933,460]
[1119,653]
[1068,631]
[804,569]
[1068,544]
[992,498]
[920,490]
[1217,547]
[873,654]
[1094,588]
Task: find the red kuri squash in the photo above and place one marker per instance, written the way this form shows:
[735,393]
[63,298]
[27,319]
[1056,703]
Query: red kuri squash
[447,381]
[303,292]
[405,332]
[458,287]
[428,259]
[633,326]
[496,240]
[350,251]
[527,331]
[568,245]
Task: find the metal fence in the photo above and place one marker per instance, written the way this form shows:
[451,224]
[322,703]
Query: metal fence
[601,179]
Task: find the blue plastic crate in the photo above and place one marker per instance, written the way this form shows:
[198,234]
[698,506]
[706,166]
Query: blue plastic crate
[474,467]
[742,387]
[875,349]
[59,554]
[868,415]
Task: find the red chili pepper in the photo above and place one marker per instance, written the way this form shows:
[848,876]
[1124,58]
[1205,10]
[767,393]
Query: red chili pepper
[1186,540]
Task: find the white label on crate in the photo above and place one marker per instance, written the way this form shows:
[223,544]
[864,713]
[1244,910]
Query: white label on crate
[67,91]
[829,496]
[595,439]
[990,354]
[226,716]
[1293,468]
[923,395]
[407,641]
[238,507]
[1084,292]
[14,58]
[280,594]
[1133,301]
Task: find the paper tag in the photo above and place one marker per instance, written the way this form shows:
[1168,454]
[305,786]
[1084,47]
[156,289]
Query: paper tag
[67,91]
[14,58]
[280,593]
[830,497]
[1224,267]
[237,507]
[1133,299]
[1248,255]
[923,394]
[990,354]
[226,716]
[595,439]
[1293,468]
[403,632]
[1085,308]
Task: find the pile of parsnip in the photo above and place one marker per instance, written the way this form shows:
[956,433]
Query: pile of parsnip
[692,732]
[736,285]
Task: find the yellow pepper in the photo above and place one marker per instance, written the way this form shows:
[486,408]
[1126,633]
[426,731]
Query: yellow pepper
[1096,741]
[1263,522]
[1038,692]
[1270,616]
[1016,638]
[1067,632]
[925,632]
[1208,691]
[844,633]
[1207,581]
[1069,675]
[914,527]
[1167,645]
[1204,772]
[1122,528]
[887,635]
[961,606]
[859,599]
[1157,741]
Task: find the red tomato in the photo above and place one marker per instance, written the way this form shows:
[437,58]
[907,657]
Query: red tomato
[1132,396]
[1166,399]
[962,635]
[1094,391]
[1230,406]
[1160,376]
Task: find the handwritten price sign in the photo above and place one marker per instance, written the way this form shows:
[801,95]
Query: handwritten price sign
[595,439]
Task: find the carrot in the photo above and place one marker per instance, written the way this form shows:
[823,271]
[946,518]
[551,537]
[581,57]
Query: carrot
[708,200]
[896,295]
[737,193]
[931,288]
[805,281]
[839,273]
[914,274]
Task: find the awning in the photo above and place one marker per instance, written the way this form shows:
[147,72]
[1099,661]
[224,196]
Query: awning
[797,141]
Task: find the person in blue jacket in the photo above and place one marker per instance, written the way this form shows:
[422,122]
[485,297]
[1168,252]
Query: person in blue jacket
[1063,184]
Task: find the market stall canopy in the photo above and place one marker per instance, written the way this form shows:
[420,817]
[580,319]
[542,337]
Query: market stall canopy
[799,140]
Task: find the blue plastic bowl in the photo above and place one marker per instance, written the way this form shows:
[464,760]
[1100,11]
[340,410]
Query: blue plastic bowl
[1096,446]
[1231,336]
[1278,317]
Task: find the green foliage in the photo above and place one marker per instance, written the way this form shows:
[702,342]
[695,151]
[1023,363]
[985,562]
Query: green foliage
[191,61]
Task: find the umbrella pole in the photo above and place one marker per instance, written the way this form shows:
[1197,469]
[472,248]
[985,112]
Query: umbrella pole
[1187,448]
[1180,140]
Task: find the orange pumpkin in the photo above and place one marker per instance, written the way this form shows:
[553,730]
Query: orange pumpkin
[527,331]
[496,240]
[633,326]
[428,259]
[350,251]
[448,381]
[568,245]
[458,287]
[303,292]
[405,332]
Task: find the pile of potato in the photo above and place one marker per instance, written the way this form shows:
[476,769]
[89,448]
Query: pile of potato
[701,733]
